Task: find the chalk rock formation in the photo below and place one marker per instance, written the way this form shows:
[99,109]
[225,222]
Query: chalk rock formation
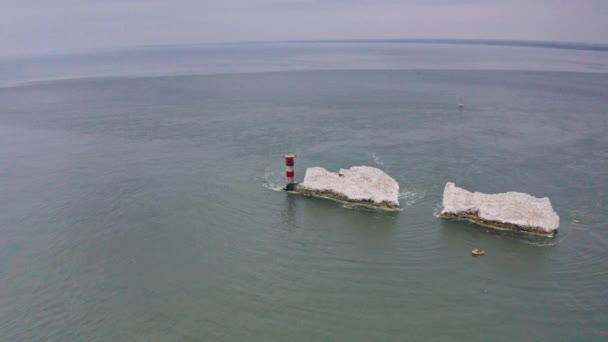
[359,184]
[510,210]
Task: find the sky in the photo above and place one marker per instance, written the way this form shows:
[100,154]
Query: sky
[34,27]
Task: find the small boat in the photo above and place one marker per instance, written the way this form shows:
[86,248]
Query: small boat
[460,104]
[477,252]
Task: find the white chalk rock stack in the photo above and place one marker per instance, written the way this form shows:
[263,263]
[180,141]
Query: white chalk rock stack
[359,184]
[510,210]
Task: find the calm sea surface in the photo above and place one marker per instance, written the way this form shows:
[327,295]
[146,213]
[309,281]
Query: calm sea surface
[138,194]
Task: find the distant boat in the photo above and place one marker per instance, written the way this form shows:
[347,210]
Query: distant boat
[477,252]
[460,104]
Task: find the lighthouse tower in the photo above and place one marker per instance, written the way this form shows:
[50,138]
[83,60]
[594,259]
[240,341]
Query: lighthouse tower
[289,173]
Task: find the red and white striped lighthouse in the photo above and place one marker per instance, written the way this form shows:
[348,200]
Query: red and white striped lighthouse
[289,173]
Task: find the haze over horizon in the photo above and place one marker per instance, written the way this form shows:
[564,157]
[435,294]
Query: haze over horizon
[32,28]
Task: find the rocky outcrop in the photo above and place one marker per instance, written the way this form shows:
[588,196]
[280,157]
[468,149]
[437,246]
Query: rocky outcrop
[360,184]
[509,211]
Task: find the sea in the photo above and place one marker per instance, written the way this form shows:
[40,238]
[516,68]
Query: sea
[140,193]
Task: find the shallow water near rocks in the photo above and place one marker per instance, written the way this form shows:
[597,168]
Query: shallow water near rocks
[142,208]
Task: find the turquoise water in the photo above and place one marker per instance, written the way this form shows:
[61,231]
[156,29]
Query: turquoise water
[145,208]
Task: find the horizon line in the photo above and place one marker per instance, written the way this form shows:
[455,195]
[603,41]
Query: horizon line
[565,45]
[571,45]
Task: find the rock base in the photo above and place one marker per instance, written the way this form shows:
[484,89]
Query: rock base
[472,217]
[341,198]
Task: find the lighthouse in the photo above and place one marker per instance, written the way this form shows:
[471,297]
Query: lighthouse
[289,173]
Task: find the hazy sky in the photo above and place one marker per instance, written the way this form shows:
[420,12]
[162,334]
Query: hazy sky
[52,26]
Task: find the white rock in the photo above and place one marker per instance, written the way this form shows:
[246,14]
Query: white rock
[359,184]
[511,210]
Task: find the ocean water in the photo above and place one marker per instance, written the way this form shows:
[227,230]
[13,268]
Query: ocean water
[139,194]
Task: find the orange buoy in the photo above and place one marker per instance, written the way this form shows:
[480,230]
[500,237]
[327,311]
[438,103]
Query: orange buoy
[477,252]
